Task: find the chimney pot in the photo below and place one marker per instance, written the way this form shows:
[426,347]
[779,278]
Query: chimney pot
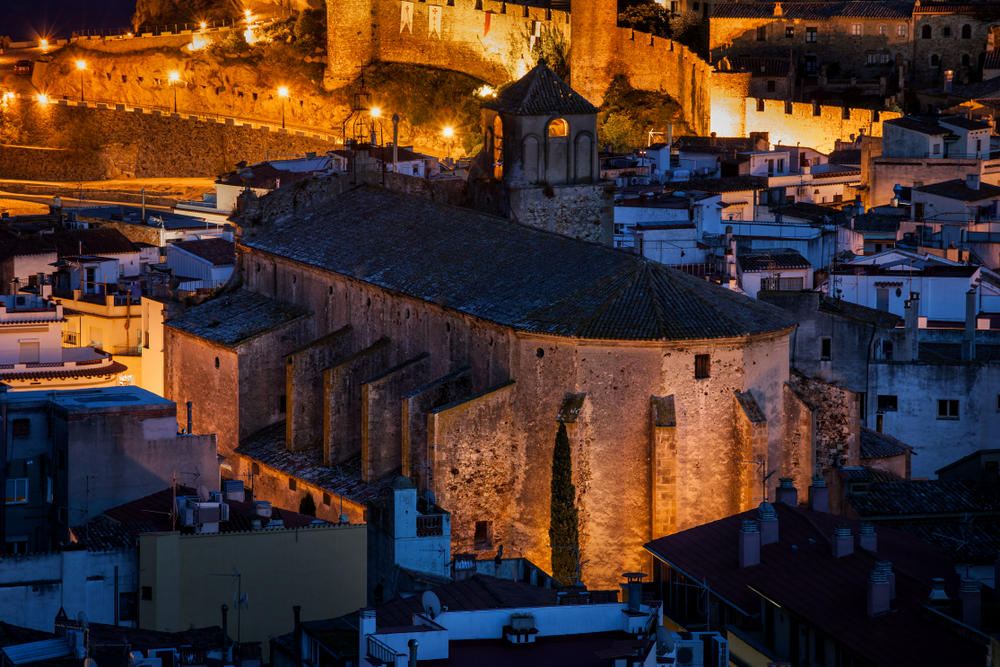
[867,538]
[843,542]
[971,598]
[878,592]
[786,492]
[819,495]
[886,567]
[749,551]
[938,595]
[768,523]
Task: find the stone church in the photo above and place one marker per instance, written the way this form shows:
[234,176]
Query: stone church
[377,331]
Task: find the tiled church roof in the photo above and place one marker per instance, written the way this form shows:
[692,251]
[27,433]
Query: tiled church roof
[862,9]
[506,273]
[540,92]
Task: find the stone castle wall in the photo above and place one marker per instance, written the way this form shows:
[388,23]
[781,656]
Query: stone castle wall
[815,126]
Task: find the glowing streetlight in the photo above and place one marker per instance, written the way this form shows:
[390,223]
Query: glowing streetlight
[448,132]
[8,97]
[203,25]
[247,15]
[283,94]
[42,98]
[173,78]
[375,112]
[43,44]
[81,65]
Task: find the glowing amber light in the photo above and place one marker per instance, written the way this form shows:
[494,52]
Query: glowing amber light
[203,25]
[375,112]
[81,64]
[42,98]
[486,90]
[448,132]
[43,43]
[174,77]
[282,91]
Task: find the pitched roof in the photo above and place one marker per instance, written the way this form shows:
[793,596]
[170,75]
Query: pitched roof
[217,251]
[958,189]
[233,318]
[875,445]
[800,573]
[540,92]
[917,125]
[965,123]
[921,496]
[879,318]
[506,273]
[761,65]
[814,10]
[767,259]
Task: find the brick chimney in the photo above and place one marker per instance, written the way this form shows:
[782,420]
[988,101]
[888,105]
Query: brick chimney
[819,495]
[786,492]
[969,337]
[867,539]
[768,524]
[878,593]
[843,542]
[971,598]
[749,547]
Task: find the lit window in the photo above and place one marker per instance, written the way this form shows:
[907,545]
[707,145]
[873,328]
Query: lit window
[855,28]
[17,491]
[947,408]
[790,31]
[881,30]
[901,30]
[558,128]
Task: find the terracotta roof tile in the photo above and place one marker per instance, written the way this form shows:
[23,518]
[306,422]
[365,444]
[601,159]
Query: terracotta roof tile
[233,318]
[219,252]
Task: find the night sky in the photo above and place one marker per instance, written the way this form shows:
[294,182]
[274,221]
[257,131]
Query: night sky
[25,19]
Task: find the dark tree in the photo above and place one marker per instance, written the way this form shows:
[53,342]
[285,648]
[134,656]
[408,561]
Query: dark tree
[564,535]
[307,505]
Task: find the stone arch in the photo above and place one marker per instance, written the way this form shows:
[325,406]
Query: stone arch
[966,31]
[531,158]
[583,152]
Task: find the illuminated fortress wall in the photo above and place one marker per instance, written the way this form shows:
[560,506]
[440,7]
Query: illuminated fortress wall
[816,126]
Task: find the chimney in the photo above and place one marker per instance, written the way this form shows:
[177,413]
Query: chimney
[189,405]
[749,552]
[297,616]
[262,508]
[938,596]
[972,181]
[878,593]
[843,542]
[819,495]
[886,567]
[786,492]
[366,627]
[969,338]
[225,631]
[971,598]
[911,317]
[867,539]
[412,645]
[633,589]
[768,524]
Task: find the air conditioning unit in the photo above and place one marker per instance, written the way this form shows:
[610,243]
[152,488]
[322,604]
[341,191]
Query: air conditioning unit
[690,653]
[720,651]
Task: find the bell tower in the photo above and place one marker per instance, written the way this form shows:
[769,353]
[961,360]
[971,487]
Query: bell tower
[540,137]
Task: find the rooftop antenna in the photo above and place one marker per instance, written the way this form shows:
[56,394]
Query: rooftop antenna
[761,463]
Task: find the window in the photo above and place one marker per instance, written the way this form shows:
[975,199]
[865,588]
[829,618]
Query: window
[946,31]
[811,35]
[887,403]
[855,28]
[901,30]
[255,468]
[702,366]
[936,149]
[760,104]
[882,299]
[965,60]
[558,128]
[887,350]
[770,167]
[497,148]
[16,545]
[216,362]
[881,30]
[282,403]
[935,60]
[17,491]
[947,408]
[145,340]
[484,535]
[790,31]
[925,32]
[326,499]
[966,31]
[761,33]
[292,485]
[918,210]
[147,592]
[20,428]
[825,348]
[812,66]
[770,85]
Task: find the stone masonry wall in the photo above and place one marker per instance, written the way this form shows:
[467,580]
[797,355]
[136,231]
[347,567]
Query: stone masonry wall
[381,422]
[579,211]
[416,406]
[343,426]
[816,126]
[304,388]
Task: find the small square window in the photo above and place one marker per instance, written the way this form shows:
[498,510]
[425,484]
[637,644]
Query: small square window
[761,33]
[17,491]
[790,31]
[702,366]
[887,403]
[292,485]
[484,535]
[147,592]
[825,349]
[811,35]
[947,408]
[282,403]
[855,28]
[326,499]
[20,428]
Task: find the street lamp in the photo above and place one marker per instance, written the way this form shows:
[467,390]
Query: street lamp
[375,112]
[43,44]
[283,94]
[173,78]
[448,132]
[81,65]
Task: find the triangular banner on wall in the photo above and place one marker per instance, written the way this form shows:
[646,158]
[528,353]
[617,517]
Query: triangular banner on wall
[486,24]
[434,20]
[406,17]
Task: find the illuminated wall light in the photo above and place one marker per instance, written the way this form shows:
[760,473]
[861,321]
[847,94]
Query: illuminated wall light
[43,44]
[375,112]
[486,90]
[249,36]
[42,98]
[203,25]
[198,43]
[448,132]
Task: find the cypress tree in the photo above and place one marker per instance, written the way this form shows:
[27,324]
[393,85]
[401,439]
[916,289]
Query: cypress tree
[563,527]
[307,505]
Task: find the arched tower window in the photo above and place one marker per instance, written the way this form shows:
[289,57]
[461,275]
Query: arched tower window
[497,148]
[559,128]
[966,31]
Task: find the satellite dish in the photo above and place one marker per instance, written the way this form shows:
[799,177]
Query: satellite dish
[431,604]
[203,493]
[89,662]
[81,618]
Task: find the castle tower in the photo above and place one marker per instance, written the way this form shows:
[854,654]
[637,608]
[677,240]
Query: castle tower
[351,35]
[540,140]
[593,25]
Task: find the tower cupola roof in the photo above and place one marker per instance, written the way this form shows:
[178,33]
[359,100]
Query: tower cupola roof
[540,92]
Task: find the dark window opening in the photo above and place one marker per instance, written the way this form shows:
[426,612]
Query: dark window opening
[887,403]
[770,85]
[292,485]
[21,428]
[925,32]
[761,33]
[326,499]
[283,403]
[702,366]
[147,592]
[216,362]
[539,353]
[947,408]
[127,603]
[825,349]
[484,535]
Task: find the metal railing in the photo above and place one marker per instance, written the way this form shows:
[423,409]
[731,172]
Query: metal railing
[430,525]
[380,651]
